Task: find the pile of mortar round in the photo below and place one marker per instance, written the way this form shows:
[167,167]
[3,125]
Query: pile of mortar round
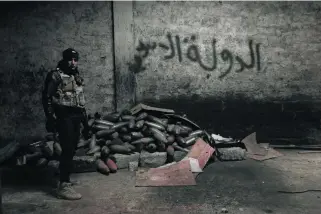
[122,133]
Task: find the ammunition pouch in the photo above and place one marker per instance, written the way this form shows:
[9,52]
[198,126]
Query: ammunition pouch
[69,93]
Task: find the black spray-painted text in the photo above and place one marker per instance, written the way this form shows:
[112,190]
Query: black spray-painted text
[174,47]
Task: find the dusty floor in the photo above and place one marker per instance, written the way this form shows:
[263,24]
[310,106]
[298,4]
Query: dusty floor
[240,187]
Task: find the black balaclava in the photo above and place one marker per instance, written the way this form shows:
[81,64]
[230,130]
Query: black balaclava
[68,55]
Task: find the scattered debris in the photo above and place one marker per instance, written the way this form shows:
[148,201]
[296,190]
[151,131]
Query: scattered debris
[219,139]
[252,146]
[133,166]
[265,145]
[257,151]
[229,149]
[184,119]
[195,166]
[231,154]
[201,151]
[178,173]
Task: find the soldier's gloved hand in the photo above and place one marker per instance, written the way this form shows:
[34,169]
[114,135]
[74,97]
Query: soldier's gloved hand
[79,80]
[51,124]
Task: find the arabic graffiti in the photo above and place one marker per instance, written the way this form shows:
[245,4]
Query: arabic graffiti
[174,47]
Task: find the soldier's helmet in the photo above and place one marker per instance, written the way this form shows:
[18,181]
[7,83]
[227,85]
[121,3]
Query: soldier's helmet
[70,53]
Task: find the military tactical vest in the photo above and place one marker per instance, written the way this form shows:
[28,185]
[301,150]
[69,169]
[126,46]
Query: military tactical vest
[69,93]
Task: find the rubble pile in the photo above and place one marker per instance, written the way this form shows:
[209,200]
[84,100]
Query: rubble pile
[151,137]
[145,137]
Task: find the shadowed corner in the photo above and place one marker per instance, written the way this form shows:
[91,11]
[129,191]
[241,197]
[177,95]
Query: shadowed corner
[237,117]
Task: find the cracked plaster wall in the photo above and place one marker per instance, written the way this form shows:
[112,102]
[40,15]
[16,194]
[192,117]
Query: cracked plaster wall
[288,34]
[286,82]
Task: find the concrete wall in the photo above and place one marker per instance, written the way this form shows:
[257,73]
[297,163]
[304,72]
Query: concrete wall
[33,36]
[287,34]
[184,55]
[217,60]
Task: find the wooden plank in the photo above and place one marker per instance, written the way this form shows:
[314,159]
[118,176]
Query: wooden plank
[178,174]
[142,106]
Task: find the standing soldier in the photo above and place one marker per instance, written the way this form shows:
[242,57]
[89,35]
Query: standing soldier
[64,106]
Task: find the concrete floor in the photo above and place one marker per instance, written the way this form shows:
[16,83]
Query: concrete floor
[248,187]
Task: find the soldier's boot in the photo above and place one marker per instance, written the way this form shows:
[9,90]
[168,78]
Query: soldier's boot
[56,182]
[65,191]
[74,183]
